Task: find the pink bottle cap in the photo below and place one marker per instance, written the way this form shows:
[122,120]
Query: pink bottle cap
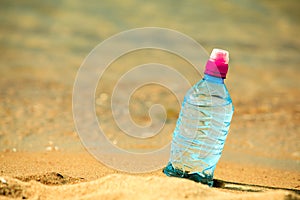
[217,65]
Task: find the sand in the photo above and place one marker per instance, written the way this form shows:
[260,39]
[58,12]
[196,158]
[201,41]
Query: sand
[56,175]
[43,44]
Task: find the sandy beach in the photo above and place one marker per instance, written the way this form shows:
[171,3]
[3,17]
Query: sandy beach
[79,176]
[43,45]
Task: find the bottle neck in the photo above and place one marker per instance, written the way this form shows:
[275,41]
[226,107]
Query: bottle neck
[213,79]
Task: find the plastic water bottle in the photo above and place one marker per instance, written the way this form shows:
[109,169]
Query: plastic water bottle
[203,124]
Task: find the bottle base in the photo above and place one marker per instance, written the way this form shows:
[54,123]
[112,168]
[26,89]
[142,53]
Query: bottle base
[169,170]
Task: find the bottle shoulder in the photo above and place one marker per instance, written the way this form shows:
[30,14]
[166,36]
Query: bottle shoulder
[208,94]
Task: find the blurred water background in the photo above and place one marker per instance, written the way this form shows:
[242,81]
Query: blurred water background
[43,44]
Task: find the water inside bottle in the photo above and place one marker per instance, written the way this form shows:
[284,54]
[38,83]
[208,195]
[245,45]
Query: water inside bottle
[200,132]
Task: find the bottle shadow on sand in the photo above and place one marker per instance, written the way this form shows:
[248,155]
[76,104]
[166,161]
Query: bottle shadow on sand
[247,187]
